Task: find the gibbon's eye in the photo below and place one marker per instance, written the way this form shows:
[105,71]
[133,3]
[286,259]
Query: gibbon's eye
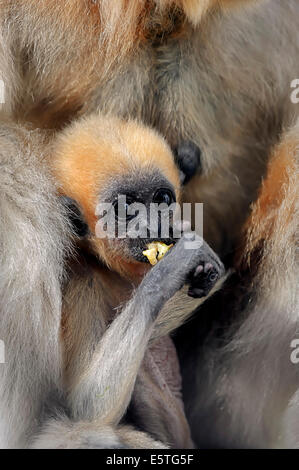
[121,207]
[164,196]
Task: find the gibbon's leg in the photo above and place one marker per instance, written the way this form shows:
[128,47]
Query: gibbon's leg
[244,375]
[100,394]
[32,243]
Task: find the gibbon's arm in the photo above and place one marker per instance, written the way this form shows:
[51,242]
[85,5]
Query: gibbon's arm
[250,371]
[258,355]
[32,243]
[272,236]
[271,260]
[101,392]
[129,334]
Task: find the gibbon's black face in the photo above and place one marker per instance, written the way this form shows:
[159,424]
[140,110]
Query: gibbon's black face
[143,208]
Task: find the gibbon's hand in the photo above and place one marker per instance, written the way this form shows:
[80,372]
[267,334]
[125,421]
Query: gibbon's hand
[190,261]
[204,278]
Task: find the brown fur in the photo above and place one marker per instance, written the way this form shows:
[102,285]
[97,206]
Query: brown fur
[99,35]
[201,71]
[281,183]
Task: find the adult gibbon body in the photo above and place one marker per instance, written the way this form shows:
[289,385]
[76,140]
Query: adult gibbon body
[196,72]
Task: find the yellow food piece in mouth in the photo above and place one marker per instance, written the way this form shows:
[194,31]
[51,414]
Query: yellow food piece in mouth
[155,251]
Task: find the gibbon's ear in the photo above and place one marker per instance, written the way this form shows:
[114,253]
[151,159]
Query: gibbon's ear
[196,9]
[78,224]
[188,159]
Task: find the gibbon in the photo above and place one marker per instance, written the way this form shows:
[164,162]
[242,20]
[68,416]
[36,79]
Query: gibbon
[213,73]
[97,160]
[113,303]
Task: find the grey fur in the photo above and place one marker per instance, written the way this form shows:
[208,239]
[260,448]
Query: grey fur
[32,244]
[226,86]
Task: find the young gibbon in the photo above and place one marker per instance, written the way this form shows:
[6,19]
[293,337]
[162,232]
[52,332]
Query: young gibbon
[214,73]
[97,160]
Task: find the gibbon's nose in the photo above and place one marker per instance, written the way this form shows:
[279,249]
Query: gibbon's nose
[161,229]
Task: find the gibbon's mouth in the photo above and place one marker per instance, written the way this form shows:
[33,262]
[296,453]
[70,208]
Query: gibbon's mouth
[139,246]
